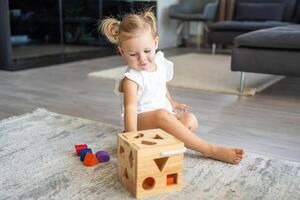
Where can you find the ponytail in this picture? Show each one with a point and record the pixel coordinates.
(151, 19)
(110, 28)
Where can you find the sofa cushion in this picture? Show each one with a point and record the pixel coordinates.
(245, 25)
(259, 11)
(285, 37)
(289, 6)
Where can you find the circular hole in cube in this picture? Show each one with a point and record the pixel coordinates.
(148, 183)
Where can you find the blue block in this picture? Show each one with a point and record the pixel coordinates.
(83, 152)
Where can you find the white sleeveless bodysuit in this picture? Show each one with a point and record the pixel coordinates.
(152, 89)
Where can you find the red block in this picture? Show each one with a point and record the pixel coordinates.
(78, 148)
(90, 160)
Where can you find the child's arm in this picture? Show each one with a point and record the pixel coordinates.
(176, 105)
(130, 101)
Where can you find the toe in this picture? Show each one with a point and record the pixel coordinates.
(237, 161)
(239, 156)
(239, 151)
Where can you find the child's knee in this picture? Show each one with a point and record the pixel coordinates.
(191, 121)
(162, 115)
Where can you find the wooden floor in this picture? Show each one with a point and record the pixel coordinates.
(267, 123)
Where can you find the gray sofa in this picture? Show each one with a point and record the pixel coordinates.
(252, 15)
(271, 51)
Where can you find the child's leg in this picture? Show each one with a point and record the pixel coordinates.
(161, 118)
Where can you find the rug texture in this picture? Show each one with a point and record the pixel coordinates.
(205, 72)
(38, 161)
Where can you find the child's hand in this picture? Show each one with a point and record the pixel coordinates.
(179, 106)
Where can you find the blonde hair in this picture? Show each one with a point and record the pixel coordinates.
(132, 25)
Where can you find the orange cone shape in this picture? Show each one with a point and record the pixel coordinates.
(90, 160)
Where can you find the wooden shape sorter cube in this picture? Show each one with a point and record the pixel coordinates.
(150, 162)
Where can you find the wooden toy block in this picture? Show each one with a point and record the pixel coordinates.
(102, 156)
(83, 153)
(150, 162)
(79, 147)
(90, 160)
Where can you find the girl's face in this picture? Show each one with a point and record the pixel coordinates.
(140, 51)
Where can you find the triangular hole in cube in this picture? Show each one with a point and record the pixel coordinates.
(158, 137)
(125, 174)
(121, 150)
(161, 162)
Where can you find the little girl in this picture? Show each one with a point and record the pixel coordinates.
(147, 101)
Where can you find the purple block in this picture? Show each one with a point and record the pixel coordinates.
(102, 156)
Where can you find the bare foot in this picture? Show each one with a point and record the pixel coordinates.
(229, 155)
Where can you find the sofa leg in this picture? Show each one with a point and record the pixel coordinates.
(213, 49)
(242, 82)
(179, 29)
(179, 33)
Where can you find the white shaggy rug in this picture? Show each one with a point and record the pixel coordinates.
(38, 161)
(205, 72)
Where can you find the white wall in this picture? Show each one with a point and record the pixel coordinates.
(166, 26)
